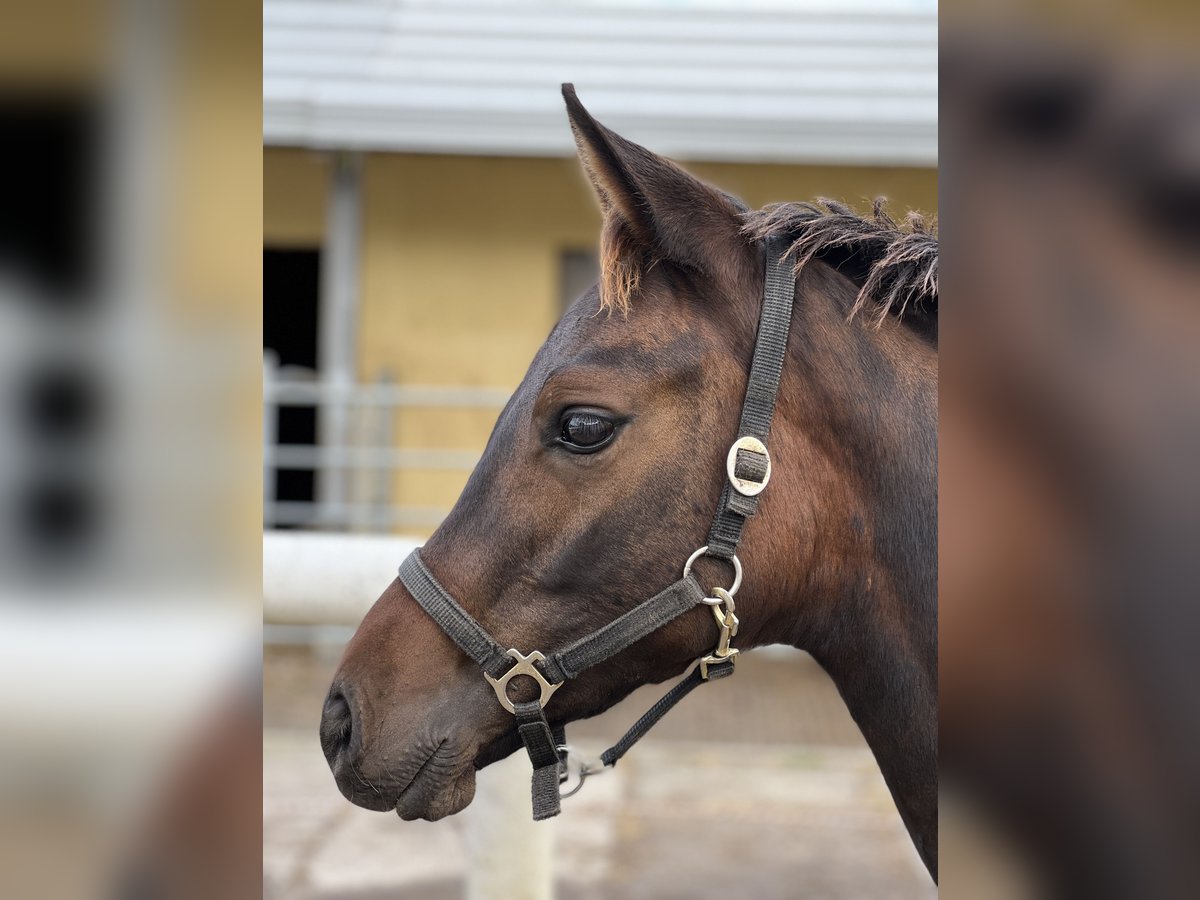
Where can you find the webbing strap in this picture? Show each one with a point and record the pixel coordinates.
(682, 688)
(643, 619)
(762, 388)
(452, 618)
(542, 743)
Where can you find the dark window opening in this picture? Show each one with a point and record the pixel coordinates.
(291, 283)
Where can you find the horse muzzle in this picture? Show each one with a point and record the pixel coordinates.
(423, 776)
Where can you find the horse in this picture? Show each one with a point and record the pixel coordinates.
(601, 472)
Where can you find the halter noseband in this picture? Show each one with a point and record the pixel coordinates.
(748, 469)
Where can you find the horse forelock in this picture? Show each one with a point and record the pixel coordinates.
(622, 261)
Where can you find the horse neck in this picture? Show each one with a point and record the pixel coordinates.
(861, 407)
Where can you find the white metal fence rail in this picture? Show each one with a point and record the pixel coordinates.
(355, 473)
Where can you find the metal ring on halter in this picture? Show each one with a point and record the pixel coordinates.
(586, 769)
(737, 574)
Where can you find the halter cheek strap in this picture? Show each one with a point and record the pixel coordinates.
(748, 470)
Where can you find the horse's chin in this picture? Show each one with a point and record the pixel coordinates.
(432, 797)
(501, 748)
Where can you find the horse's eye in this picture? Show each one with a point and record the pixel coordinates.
(585, 432)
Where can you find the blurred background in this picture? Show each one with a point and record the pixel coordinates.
(425, 224)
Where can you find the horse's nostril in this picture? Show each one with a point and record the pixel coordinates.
(337, 726)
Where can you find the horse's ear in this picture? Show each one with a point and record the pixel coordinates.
(667, 210)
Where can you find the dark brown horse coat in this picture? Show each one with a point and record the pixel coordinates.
(551, 540)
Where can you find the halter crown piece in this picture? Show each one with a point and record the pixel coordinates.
(748, 469)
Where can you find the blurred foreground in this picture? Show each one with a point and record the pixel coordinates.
(129, 458)
(1070, 432)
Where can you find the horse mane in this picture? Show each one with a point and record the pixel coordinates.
(895, 265)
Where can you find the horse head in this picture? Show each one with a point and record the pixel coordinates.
(601, 475)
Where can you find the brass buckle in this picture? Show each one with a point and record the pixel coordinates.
(745, 486)
(706, 661)
(524, 666)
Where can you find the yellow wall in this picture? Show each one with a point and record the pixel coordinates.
(295, 188)
(460, 275)
(460, 284)
(461, 254)
(759, 185)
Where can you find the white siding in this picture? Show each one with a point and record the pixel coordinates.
(842, 82)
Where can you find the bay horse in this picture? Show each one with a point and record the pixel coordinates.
(601, 473)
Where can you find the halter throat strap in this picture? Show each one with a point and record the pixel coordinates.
(748, 470)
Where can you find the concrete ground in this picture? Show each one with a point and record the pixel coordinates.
(756, 786)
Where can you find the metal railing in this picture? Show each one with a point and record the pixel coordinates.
(354, 471)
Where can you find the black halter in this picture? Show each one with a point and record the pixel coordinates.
(748, 469)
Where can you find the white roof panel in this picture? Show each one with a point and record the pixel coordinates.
(849, 82)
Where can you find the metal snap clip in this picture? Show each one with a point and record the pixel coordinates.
(582, 768)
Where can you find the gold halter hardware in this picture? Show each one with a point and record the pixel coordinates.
(727, 623)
